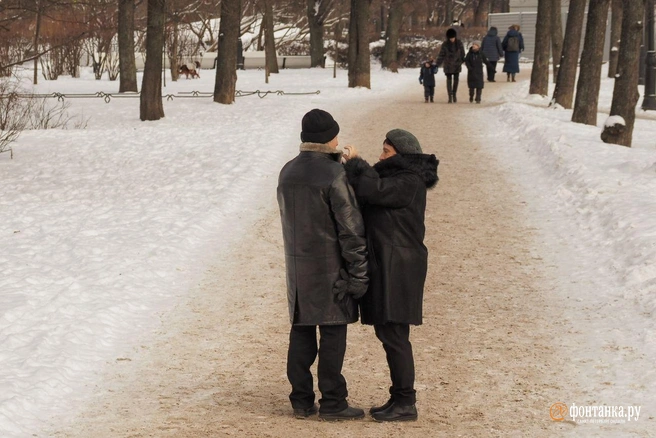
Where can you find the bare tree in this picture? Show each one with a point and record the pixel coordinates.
(615, 34)
(394, 21)
(151, 106)
(589, 83)
(569, 58)
(127, 64)
(317, 13)
(540, 72)
(556, 35)
(625, 92)
(269, 39)
(480, 17)
(226, 67)
(359, 68)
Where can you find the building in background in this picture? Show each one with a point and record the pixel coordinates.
(524, 13)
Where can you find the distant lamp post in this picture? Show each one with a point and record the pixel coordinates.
(649, 102)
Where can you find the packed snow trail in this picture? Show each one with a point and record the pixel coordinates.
(486, 360)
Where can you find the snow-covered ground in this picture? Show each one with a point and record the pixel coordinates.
(104, 229)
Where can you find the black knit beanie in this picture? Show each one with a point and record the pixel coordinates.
(318, 127)
(451, 33)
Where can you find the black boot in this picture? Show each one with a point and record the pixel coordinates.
(305, 412)
(471, 95)
(513, 77)
(431, 98)
(396, 413)
(375, 409)
(449, 88)
(508, 78)
(349, 413)
(479, 91)
(455, 88)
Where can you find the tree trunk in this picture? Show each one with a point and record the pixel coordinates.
(226, 67)
(37, 31)
(587, 87)
(359, 69)
(127, 65)
(448, 8)
(269, 40)
(317, 11)
(174, 50)
(625, 92)
(480, 17)
(569, 57)
(556, 36)
(390, 51)
(540, 72)
(615, 34)
(151, 106)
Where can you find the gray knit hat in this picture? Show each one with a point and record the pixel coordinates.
(403, 142)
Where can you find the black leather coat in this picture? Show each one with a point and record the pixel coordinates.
(393, 199)
(323, 231)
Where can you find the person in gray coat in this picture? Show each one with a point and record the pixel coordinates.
(326, 259)
(491, 48)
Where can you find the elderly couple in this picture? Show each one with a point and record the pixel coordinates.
(353, 236)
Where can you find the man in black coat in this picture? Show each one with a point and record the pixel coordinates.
(326, 260)
(393, 198)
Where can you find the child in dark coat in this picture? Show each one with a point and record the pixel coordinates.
(427, 79)
(475, 60)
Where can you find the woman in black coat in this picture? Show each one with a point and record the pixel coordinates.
(392, 195)
(451, 56)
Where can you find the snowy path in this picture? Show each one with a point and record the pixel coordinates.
(487, 364)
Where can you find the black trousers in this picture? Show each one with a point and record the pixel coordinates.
(452, 81)
(429, 91)
(396, 342)
(491, 70)
(303, 351)
(478, 91)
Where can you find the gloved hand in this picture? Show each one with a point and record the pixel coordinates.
(421, 81)
(348, 285)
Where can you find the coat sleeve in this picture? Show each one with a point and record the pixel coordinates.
(441, 55)
(484, 58)
(504, 44)
(499, 47)
(350, 227)
(462, 51)
(521, 43)
(371, 189)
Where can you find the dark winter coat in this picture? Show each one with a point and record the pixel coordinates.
(323, 231)
(491, 45)
(475, 75)
(393, 199)
(511, 59)
(452, 55)
(427, 75)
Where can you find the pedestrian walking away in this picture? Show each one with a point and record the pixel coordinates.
(475, 60)
(393, 198)
(493, 50)
(513, 46)
(427, 79)
(451, 56)
(326, 264)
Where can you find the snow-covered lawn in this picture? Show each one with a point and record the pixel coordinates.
(102, 230)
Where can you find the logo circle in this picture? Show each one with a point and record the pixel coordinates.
(557, 411)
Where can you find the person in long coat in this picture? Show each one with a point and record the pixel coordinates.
(450, 58)
(326, 260)
(511, 54)
(474, 61)
(493, 50)
(427, 79)
(393, 198)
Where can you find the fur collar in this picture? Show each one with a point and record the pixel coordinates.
(420, 164)
(319, 147)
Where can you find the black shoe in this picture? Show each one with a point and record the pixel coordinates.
(397, 413)
(431, 99)
(492, 80)
(305, 412)
(349, 413)
(478, 101)
(450, 99)
(471, 100)
(454, 98)
(426, 100)
(375, 409)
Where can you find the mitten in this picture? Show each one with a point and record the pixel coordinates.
(421, 81)
(348, 285)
